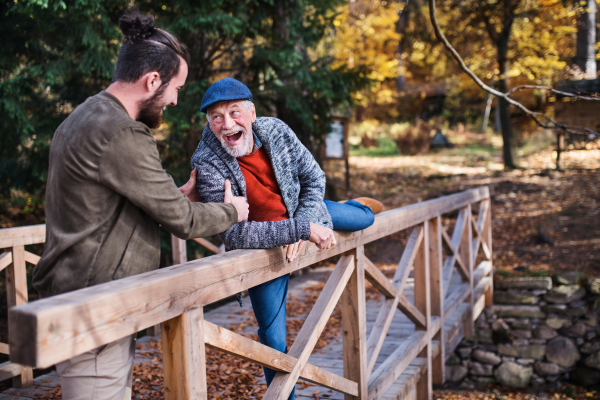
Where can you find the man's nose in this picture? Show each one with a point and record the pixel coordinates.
(174, 102)
(228, 122)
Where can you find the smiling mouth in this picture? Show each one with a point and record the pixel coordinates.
(233, 138)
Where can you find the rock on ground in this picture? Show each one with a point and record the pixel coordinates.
(544, 368)
(486, 357)
(536, 351)
(455, 373)
(513, 375)
(562, 351)
(544, 332)
(593, 361)
(524, 283)
(565, 294)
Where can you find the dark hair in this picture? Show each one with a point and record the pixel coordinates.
(146, 48)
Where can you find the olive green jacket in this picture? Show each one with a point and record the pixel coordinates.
(106, 195)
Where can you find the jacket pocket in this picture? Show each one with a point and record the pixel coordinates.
(124, 268)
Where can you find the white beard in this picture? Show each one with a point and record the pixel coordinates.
(239, 150)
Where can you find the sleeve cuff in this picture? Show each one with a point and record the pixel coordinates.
(303, 229)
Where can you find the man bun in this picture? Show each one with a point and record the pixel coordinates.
(136, 26)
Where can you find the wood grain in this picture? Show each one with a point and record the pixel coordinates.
(230, 342)
(283, 383)
(184, 357)
(208, 245)
(23, 235)
(5, 259)
(354, 327)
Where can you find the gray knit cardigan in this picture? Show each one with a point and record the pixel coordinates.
(301, 180)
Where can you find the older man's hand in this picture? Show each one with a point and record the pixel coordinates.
(321, 236)
(240, 203)
(189, 189)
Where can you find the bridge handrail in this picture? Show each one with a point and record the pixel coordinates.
(51, 330)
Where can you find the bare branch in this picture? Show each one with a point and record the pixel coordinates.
(538, 117)
(550, 89)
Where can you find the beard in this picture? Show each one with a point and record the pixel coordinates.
(150, 113)
(238, 150)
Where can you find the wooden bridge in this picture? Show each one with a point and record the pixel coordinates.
(384, 354)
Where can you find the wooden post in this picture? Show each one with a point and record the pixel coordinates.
(179, 254)
(179, 250)
(487, 234)
(16, 294)
(354, 327)
(466, 254)
(437, 298)
(423, 304)
(184, 356)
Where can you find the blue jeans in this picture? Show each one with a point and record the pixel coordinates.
(269, 298)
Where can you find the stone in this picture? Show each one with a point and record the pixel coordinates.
(508, 359)
(579, 341)
(593, 285)
(538, 292)
(538, 341)
(577, 304)
(590, 335)
(590, 347)
(562, 351)
(487, 347)
(486, 357)
(593, 361)
(484, 380)
(453, 359)
(514, 298)
(520, 342)
(513, 375)
(464, 352)
(552, 378)
(455, 373)
(545, 368)
(523, 283)
(521, 324)
(525, 361)
(577, 330)
(586, 376)
(519, 311)
(481, 369)
(565, 294)
(500, 325)
(575, 312)
(519, 334)
(467, 384)
(536, 351)
(556, 309)
(538, 383)
(568, 278)
(482, 336)
(544, 332)
(556, 385)
(557, 322)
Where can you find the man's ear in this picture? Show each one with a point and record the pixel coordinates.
(151, 81)
(252, 113)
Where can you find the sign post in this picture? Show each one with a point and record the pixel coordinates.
(336, 144)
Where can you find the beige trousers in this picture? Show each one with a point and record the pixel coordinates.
(104, 373)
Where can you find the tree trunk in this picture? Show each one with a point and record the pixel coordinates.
(400, 27)
(586, 39)
(508, 138)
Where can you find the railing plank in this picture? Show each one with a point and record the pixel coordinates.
(22, 236)
(379, 280)
(354, 327)
(184, 357)
(387, 373)
(283, 383)
(205, 243)
(388, 307)
(466, 253)
(436, 288)
(5, 259)
(412, 312)
(32, 258)
(9, 370)
(421, 271)
(230, 342)
(16, 295)
(54, 329)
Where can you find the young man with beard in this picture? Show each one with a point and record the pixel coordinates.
(107, 194)
(265, 162)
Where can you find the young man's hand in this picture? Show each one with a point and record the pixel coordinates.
(321, 236)
(189, 189)
(240, 203)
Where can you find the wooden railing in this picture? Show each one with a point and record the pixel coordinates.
(13, 260)
(54, 329)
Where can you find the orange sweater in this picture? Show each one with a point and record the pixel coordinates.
(262, 189)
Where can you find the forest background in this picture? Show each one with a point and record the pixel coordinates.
(304, 60)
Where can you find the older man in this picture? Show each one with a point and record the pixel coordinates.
(265, 162)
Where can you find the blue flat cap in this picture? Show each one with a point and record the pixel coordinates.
(227, 89)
